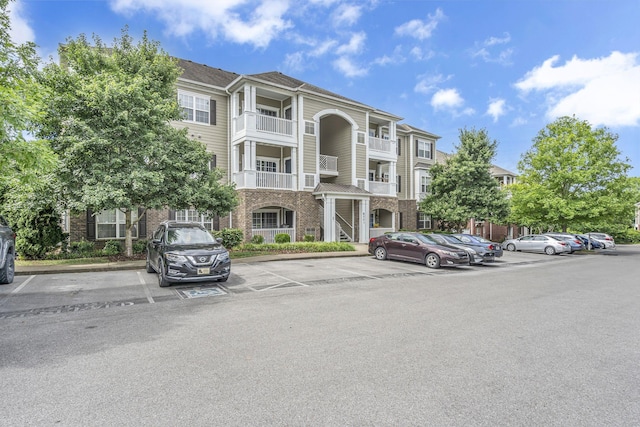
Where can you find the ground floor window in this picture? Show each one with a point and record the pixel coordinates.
(192, 215)
(424, 221)
(265, 220)
(110, 224)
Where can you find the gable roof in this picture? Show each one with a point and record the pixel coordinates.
(202, 73)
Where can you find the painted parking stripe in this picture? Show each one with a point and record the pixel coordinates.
(287, 280)
(16, 290)
(356, 273)
(147, 292)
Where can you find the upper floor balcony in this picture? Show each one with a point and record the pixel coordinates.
(328, 165)
(265, 180)
(260, 127)
(382, 188)
(381, 148)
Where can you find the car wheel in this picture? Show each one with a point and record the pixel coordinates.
(380, 253)
(148, 266)
(8, 271)
(432, 260)
(549, 250)
(511, 247)
(162, 278)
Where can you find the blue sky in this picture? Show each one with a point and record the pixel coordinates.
(509, 66)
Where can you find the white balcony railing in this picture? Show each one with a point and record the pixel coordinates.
(382, 188)
(269, 234)
(383, 145)
(328, 164)
(268, 180)
(259, 122)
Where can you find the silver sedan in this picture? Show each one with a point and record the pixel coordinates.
(537, 243)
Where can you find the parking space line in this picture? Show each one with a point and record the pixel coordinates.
(279, 284)
(16, 290)
(356, 273)
(147, 292)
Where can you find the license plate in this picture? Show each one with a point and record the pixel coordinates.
(204, 270)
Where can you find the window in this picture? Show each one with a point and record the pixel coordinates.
(267, 111)
(398, 184)
(360, 138)
(398, 147)
(194, 108)
(267, 165)
(265, 220)
(423, 149)
(424, 184)
(309, 127)
(424, 221)
(110, 224)
(192, 215)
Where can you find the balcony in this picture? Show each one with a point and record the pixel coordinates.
(328, 165)
(264, 128)
(382, 188)
(267, 180)
(380, 148)
(269, 234)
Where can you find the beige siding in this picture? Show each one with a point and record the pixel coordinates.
(361, 164)
(402, 168)
(313, 106)
(309, 154)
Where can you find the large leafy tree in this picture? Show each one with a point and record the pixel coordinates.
(109, 113)
(462, 187)
(20, 156)
(572, 177)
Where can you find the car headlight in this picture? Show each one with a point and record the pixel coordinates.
(224, 257)
(471, 251)
(452, 254)
(175, 258)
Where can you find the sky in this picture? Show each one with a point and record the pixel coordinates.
(508, 66)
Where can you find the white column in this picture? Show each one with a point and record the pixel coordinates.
(294, 166)
(364, 221)
(392, 178)
(329, 219)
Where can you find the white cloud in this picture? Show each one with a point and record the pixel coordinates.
(396, 58)
(420, 29)
(484, 50)
(346, 15)
(420, 55)
(429, 83)
(233, 20)
(346, 66)
(497, 108)
(20, 31)
(603, 91)
(322, 48)
(294, 61)
(451, 101)
(355, 45)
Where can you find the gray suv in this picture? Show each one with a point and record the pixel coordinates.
(7, 252)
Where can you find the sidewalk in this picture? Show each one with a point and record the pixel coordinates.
(361, 250)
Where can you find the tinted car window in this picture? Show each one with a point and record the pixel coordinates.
(188, 236)
(426, 239)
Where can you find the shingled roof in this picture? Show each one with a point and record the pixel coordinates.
(205, 74)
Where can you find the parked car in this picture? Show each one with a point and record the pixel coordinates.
(604, 239)
(7, 252)
(492, 246)
(537, 243)
(589, 242)
(575, 243)
(186, 252)
(416, 247)
(478, 254)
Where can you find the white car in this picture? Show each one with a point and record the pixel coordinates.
(537, 243)
(606, 240)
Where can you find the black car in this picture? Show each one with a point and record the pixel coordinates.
(416, 247)
(7, 252)
(186, 252)
(489, 245)
(478, 254)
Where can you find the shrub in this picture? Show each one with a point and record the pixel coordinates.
(140, 247)
(231, 237)
(112, 247)
(309, 238)
(82, 248)
(257, 239)
(282, 238)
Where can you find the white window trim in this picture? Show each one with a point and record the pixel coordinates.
(276, 211)
(202, 219)
(268, 108)
(268, 159)
(120, 220)
(309, 124)
(427, 144)
(195, 95)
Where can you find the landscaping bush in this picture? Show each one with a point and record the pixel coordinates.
(140, 247)
(282, 238)
(231, 237)
(257, 239)
(309, 238)
(82, 249)
(112, 247)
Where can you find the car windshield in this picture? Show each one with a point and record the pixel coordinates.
(425, 239)
(452, 239)
(188, 236)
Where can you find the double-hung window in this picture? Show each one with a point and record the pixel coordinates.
(423, 149)
(265, 220)
(267, 165)
(110, 224)
(424, 184)
(424, 221)
(192, 215)
(194, 108)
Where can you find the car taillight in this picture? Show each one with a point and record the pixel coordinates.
(608, 238)
(372, 239)
(577, 241)
(491, 247)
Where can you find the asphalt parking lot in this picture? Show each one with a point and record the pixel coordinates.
(40, 294)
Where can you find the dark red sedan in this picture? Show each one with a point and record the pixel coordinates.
(416, 247)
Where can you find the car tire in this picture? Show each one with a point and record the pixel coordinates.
(380, 253)
(432, 260)
(162, 278)
(8, 271)
(549, 250)
(148, 266)
(511, 247)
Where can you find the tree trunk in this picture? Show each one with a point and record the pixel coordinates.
(128, 240)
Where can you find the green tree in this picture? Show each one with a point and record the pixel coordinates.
(572, 177)
(20, 156)
(109, 113)
(462, 187)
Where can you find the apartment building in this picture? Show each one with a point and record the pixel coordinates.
(304, 160)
